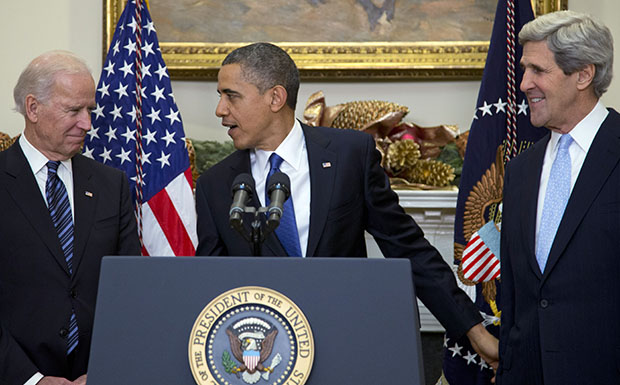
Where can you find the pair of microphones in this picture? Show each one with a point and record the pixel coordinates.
(278, 188)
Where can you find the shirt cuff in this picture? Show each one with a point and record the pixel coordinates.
(34, 379)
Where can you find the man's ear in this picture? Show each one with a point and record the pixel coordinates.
(33, 108)
(278, 98)
(585, 76)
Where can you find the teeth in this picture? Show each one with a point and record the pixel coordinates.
(536, 100)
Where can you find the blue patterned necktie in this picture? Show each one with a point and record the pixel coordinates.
(60, 211)
(287, 231)
(556, 198)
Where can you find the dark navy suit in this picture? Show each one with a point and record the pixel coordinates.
(37, 292)
(351, 195)
(562, 326)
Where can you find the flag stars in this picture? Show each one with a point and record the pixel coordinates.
(146, 70)
(124, 156)
(126, 69)
(130, 47)
(132, 113)
(116, 49)
(173, 116)
(483, 365)
(105, 155)
(163, 159)
(148, 49)
(486, 109)
(150, 27)
(133, 25)
(470, 357)
(109, 68)
(129, 135)
(169, 138)
(103, 90)
(523, 108)
(145, 158)
(135, 179)
(92, 133)
(500, 106)
(456, 349)
(88, 152)
(98, 111)
(116, 112)
(111, 134)
(150, 137)
(142, 92)
(154, 115)
(162, 71)
(158, 94)
(121, 91)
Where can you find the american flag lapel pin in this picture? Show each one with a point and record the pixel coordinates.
(88, 194)
(326, 164)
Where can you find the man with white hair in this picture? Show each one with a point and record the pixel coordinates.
(560, 246)
(61, 212)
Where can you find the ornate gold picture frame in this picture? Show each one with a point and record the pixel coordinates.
(416, 60)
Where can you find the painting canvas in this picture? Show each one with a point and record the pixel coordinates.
(323, 20)
(328, 39)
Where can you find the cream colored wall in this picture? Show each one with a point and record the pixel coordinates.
(30, 27)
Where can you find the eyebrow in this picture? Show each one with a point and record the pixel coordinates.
(228, 91)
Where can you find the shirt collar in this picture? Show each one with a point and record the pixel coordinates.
(584, 132)
(35, 158)
(289, 149)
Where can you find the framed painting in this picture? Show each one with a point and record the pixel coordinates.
(328, 39)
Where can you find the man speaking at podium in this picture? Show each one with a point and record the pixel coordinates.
(337, 188)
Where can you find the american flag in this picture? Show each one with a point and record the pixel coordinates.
(501, 118)
(142, 134)
(480, 262)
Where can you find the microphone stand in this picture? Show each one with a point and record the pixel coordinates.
(258, 232)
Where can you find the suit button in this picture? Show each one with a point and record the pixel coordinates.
(63, 332)
(73, 293)
(544, 303)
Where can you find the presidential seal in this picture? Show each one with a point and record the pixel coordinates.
(251, 335)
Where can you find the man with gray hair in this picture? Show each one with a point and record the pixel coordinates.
(560, 246)
(61, 212)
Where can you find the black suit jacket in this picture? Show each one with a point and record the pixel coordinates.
(561, 326)
(37, 292)
(350, 193)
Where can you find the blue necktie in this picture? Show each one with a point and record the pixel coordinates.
(60, 211)
(556, 198)
(287, 231)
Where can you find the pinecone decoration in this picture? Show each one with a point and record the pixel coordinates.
(6, 141)
(431, 172)
(359, 114)
(402, 155)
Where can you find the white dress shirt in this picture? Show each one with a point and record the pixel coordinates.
(583, 134)
(295, 155)
(38, 164)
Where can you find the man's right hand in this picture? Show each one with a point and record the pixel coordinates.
(54, 381)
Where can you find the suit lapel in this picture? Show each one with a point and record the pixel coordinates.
(239, 164)
(602, 158)
(27, 196)
(323, 164)
(529, 192)
(85, 196)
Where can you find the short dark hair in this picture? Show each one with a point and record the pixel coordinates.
(266, 65)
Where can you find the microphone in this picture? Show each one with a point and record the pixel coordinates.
(242, 190)
(279, 191)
